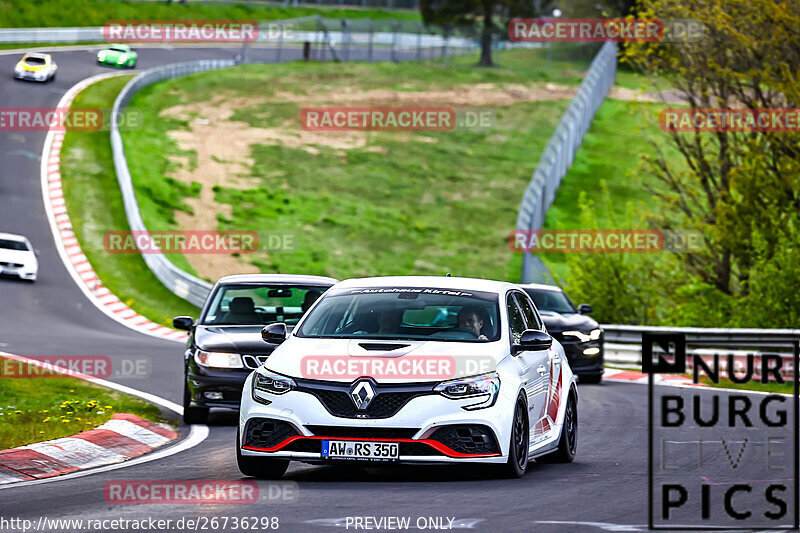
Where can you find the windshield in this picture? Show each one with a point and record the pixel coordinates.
(118, 49)
(13, 245)
(251, 304)
(33, 60)
(405, 313)
(553, 301)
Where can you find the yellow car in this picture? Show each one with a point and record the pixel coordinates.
(36, 67)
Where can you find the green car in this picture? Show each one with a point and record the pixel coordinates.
(117, 55)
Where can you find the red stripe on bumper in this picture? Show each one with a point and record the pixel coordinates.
(438, 446)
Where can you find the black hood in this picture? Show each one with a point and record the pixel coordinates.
(236, 339)
(557, 322)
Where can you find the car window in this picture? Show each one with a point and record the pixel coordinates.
(549, 300)
(413, 313)
(118, 49)
(8, 244)
(515, 321)
(35, 60)
(530, 314)
(242, 304)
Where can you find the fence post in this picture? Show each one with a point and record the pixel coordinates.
(444, 42)
(371, 39)
(419, 40)
(345, 41)
(393, 54)
(280, 40)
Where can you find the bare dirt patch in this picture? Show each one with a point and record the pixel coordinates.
(223, 146)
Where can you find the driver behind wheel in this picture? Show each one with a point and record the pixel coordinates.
(469, 319)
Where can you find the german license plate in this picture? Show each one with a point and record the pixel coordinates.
(361, 451)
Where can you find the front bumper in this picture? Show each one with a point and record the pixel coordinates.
(31, 75)
(417, 426)
(208, 380)
(581, 362)
(24, 273)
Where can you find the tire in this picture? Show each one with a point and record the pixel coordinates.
(259, 467)
(520, 440)
(192, 415)
(591, 380)
(568, 440)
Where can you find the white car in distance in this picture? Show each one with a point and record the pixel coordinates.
(18, 257)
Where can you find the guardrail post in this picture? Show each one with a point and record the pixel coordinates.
(393, 54)
(280, 41)
(419, 40)
(345, 41)
(371, 39)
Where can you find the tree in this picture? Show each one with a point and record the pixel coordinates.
(471, 14)
(741, 189)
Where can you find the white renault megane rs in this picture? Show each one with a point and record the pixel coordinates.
(411, 370)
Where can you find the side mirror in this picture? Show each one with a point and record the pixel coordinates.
(533, 340)
(274, 333)
(584, 309)
(185, 323)
(36, 252)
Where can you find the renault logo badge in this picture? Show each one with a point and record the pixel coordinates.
(362, 394)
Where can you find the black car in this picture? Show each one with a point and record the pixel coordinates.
(225, 344)
(580, 334)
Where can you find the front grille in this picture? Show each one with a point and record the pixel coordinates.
(254, 361)
(11, 265)
(363, 433)
(266, 433)
(388, 399)
(467, 438)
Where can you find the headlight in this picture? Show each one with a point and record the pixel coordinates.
(121, 59)
(101, 55)
(584, 337)
(266, 383)
(18, 69)
(484, 387)
(218, 359)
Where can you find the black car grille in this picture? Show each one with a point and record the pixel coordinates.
(266, 433)
(12, 265)
(467, 438)
(388, 399)
(363, 433)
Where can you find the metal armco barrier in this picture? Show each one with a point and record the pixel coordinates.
(623, 344)
(560, 151)
(181, 283)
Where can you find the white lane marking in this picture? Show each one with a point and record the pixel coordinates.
(197, 433)
(51, 212)
(605, 526)
(78, 453)
(135, 432)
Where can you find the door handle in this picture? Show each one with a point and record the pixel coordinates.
(542, 370)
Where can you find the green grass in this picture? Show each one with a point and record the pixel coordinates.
(69, 13)
(611, 151)
(95, 206)
(424, 203)
(34, 409)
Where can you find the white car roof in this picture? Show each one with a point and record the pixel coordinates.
(442, 282)
(540, 286)
(298, 279)
(38, 54)
(13, 237)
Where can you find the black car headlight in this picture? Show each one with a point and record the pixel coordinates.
(266, 384)
(483, 387)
